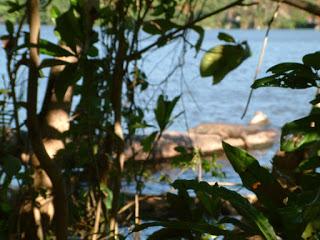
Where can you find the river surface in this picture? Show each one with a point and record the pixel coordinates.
(203, 102)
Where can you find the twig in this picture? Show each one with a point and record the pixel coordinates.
(264, 46)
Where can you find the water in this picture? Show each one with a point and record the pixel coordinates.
(225, 102)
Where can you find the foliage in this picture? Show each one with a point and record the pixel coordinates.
(103, 68)
(287, 199)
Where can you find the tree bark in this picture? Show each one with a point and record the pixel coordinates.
(52, 170)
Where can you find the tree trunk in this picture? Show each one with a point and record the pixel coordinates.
(41, 153)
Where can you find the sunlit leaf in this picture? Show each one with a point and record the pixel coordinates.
(255, 177)
(222, 59)
(300, 132)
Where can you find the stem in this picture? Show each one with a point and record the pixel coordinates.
(117, 82)
(97, 221)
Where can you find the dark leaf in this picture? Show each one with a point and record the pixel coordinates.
(147, 142)
(241, 204)
(164, 110)
(9, 27)
(11, 165)
(226, 37)
(288, 75)
(312, 60)
(69, 28)
(201, 33)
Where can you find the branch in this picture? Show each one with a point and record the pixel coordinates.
(171, 35)
(303, 5)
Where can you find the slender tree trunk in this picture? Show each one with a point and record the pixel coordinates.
(117, 82)
(51, 169)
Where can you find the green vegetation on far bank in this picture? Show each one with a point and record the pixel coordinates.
(239, 17)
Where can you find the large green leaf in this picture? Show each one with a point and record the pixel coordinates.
(240, 203)
(255, 177)
(300, 132)
(288, 75)
(69, 28)
(222, 59)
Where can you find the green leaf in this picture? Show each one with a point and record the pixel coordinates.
(287, 66)
(241, 204)
(69, 76)
(48, 48)
(226, 37)
(69, 28)
(52, 62)
(54, 12)
(11, 165)
(300, 132)
(201, 33)
(222, 59)
(147, 142)
(14, 6)
(4, 91)
(158, 26)
(9, 27)
(51, 49)
(164, 110)
(312, 60)
(254, 177)
(288, 75)
(309, 164)
(108, 195)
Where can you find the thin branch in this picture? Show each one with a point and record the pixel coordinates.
(172, 35)
(263, 49)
